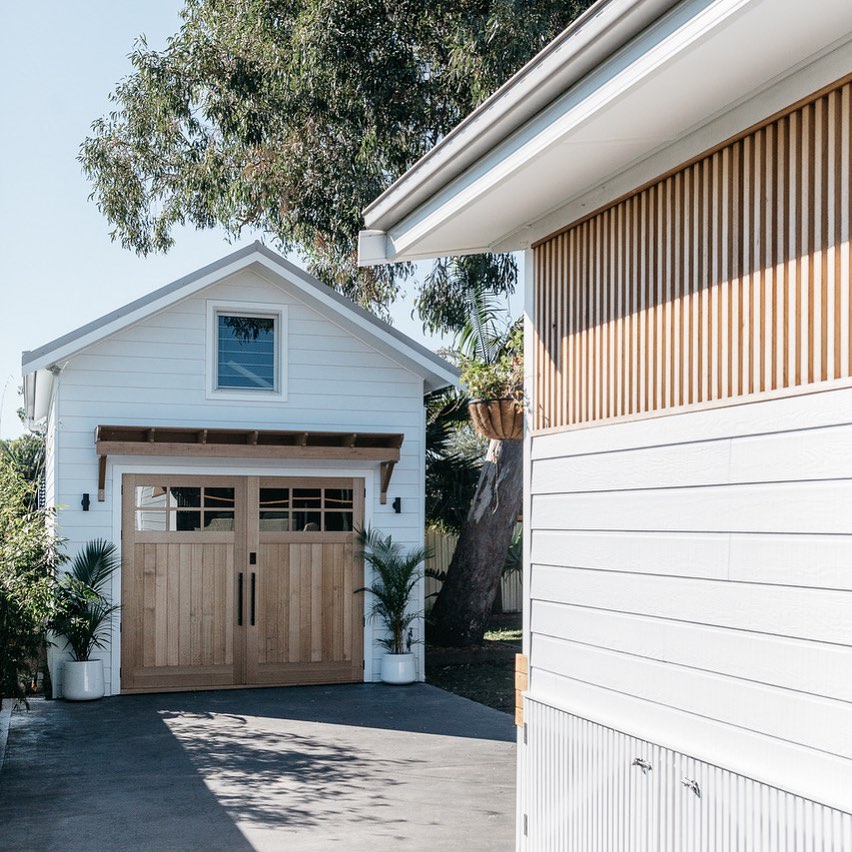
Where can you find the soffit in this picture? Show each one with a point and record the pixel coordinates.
(693, 65)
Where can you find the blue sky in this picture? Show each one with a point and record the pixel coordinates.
(58, 268)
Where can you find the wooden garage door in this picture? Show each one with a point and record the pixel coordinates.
(233, 581)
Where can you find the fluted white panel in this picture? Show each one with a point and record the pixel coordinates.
(589, 788)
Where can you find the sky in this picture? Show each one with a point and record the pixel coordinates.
(59, 61)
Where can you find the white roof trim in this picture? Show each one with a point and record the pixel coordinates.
(518, 170)
(601, 30)
(435, 371)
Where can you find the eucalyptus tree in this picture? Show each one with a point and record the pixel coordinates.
(288, 117)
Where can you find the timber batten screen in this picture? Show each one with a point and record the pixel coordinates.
(726, 278)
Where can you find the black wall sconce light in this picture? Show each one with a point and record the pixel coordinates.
(85, 502)
(397, 504)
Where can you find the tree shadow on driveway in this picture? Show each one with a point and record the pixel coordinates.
(351, 767)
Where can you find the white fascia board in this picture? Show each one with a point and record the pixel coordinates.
(803, 80)
(372, 248)
(688, 32)
(679, 31)
(434, 370)
(596, 34)
(59, 350)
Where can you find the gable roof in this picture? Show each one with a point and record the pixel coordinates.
(630, 90)
(37, 364)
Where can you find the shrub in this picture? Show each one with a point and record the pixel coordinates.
(29, 554)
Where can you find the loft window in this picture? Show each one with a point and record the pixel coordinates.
(246, 352)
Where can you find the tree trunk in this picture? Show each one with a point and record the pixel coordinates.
(464, 603)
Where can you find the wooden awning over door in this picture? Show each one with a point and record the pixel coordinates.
(247, 444)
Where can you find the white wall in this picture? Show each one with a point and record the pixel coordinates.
(691, 584)
(153, 373)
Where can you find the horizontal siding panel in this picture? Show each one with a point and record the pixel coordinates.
(80, 383)
(795, 560)
(91, 367)
(807, 772)
(658, 467)
(810, 454)
(324, 389)
(821, 615)
(785, 507)
(816, 668)
(180, 347)
(806, 720)
(323, 342)
(818, 561)
(153, 333)
(224, 413)
(359, 365)
(824, 408)
(678, 554)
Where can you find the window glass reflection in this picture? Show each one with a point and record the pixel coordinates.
(306, 521)
(218, 498)
(307, 498)
(338, 521)
(151, 496)
(338, 498)
(151, 521)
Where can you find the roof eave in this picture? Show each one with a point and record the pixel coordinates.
(600, 31)
(433, 369)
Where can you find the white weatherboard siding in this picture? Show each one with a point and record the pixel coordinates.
(691, 584)
(153, 374)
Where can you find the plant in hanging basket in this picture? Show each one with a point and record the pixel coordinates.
(496, 388)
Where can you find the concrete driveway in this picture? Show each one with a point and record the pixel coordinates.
(359, 767)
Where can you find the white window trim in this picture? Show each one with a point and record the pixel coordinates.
(264, 309)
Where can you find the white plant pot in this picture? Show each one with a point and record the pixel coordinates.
(398, 668)
(82, 681)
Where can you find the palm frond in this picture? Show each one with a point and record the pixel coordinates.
(396, 573)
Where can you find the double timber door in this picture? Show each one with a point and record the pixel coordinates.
(235, 581)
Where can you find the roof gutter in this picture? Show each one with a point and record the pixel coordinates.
(598, 33)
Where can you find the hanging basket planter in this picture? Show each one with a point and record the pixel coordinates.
(498, 419)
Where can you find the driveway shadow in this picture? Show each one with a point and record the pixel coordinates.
(298, 768)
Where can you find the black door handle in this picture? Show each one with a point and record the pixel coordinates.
(240, 599)
(253, 589)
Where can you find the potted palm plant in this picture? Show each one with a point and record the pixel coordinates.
(396, 573)
(83, 616)
(495, 381)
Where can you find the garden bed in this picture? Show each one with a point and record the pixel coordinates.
(484, 673)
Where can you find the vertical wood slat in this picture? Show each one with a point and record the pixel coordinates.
(729, 277)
